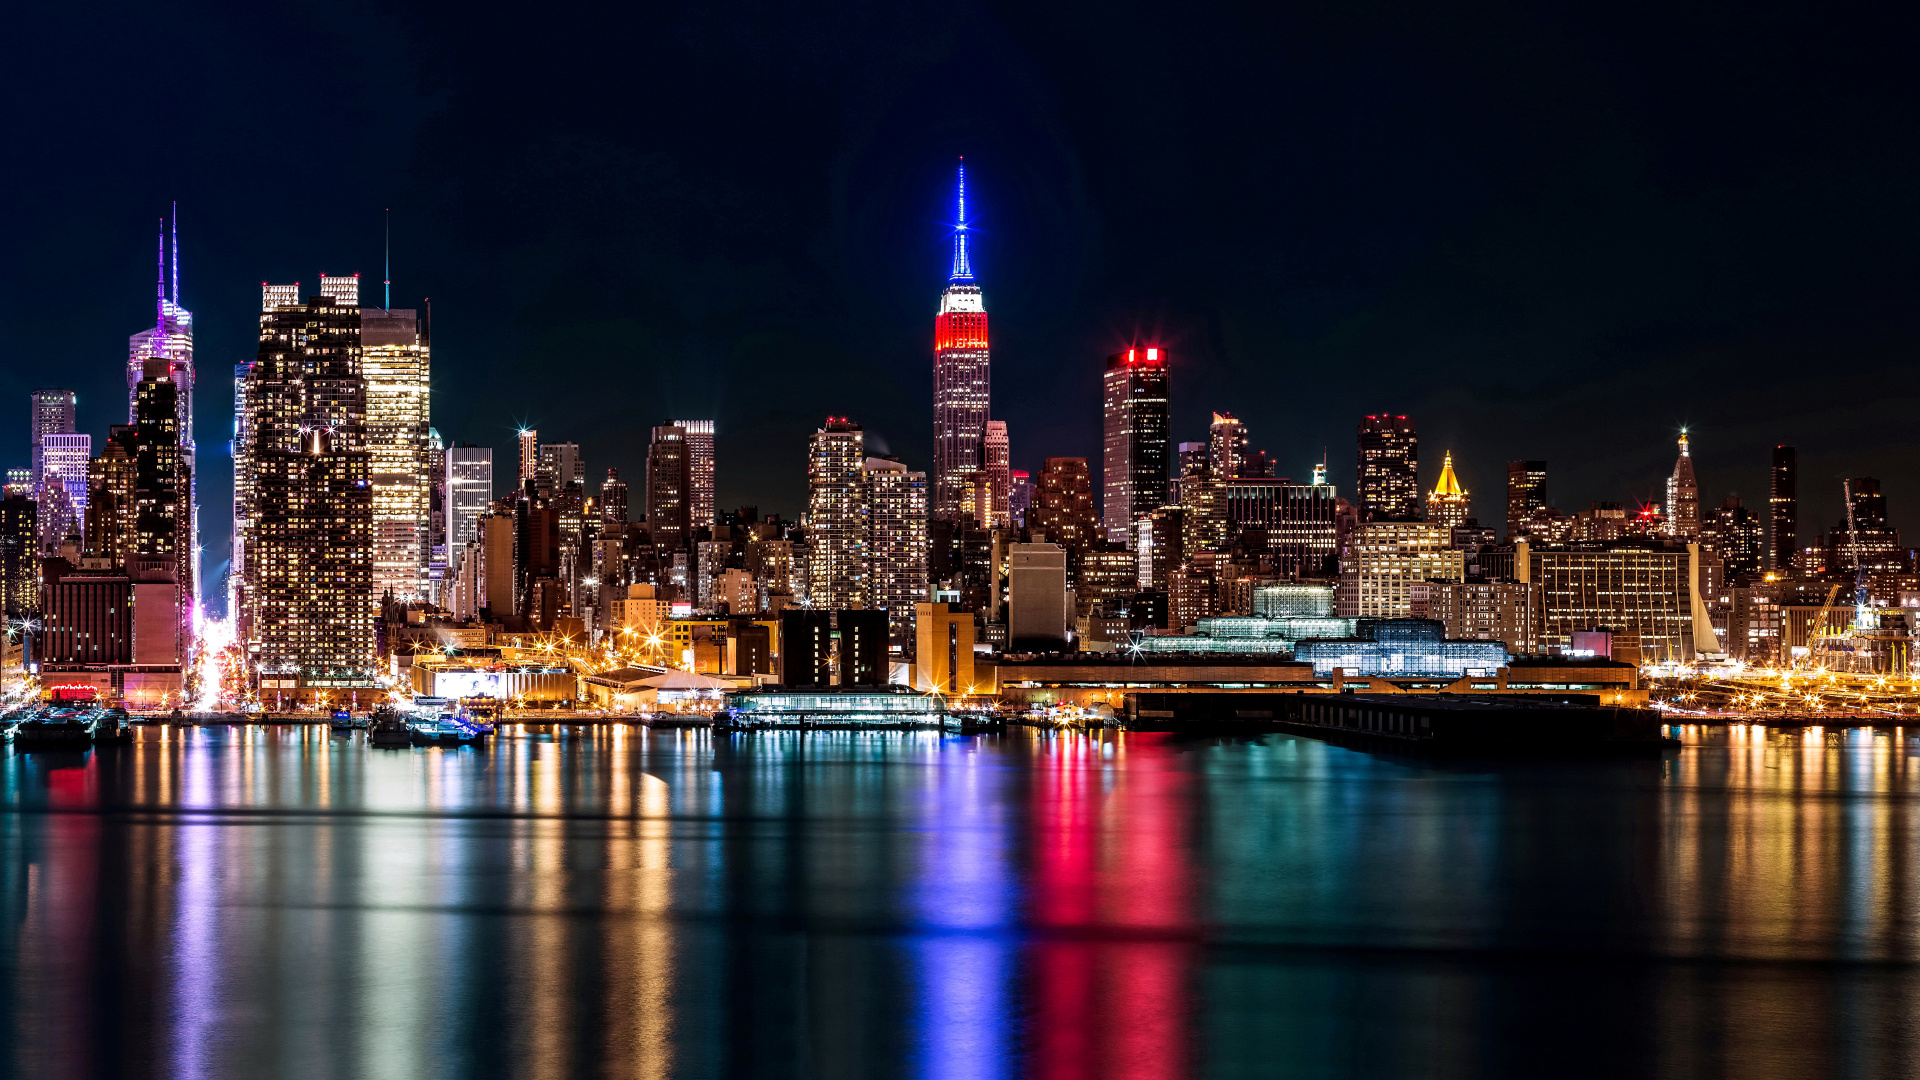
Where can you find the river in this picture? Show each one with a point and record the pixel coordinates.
(613, 901)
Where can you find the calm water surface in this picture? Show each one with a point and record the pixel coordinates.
(275, 901)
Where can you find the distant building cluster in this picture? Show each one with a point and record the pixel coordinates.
(366, 545)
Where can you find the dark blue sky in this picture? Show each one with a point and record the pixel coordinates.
(1544, 231)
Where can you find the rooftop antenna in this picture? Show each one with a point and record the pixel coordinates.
(160, 298)
(176, 253)
(389, 281)
(962, 270)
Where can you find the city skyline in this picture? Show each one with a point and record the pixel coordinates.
(1511, 281)
(335, 286)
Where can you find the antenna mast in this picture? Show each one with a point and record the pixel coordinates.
(389, 281)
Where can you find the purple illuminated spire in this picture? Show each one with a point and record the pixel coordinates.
(176, 255)
(962, 271)
(160, 297)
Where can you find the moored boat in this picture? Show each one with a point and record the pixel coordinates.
(388, 728)
(52, 726)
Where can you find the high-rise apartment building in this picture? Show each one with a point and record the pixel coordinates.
(896, 514)
(469, 488)
(52, 413)
(19, 553)
(669, 488)
(836, 515)
(998, 474)
(1063, 505)
(700, 512)
(1783, 507)
(1138, 438)
(1683, 497)
(1447, 503)
(1388, 469)
(308, 601)
(529, 455)
(396, 367)
(1526, 493)
(1227, 447)
(1019, 497)
(962, 384)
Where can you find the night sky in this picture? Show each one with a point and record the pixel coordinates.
(1552, 232)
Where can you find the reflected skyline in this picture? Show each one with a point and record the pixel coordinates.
(624, 902)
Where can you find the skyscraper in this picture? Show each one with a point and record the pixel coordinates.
(896, 514)
(63, 462)
(162, 492)
(1389, 469)
(962, 386)
(1447, 504)
(836, 515)
(1783, 507)
(669, 489)
(1683, 497)
(171, 338)
(613, 499)
(396, 366)
(529, 454)
(699, 471)
(469, 490)
(1526, 493)
(19, 553)
(1138, 443)
(308, 608)
(999, 476)
(52, 414)
(1227, 447)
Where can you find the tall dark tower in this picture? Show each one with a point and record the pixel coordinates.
(1389, 469)
(961, 382)
(1783, 507)
(1137, 424)
(1526, 492)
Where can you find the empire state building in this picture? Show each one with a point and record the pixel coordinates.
(961, 383)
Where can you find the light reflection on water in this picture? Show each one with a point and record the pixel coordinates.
(614, 901)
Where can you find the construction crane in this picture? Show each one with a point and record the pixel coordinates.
(1817, 629)
(1863, 618)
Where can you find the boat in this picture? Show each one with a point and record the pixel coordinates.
(342, 720)
(388, 728)
(447, 729)
(179, 719)
(112, 725)
(52, 726)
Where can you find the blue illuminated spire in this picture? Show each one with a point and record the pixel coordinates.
(962, 271)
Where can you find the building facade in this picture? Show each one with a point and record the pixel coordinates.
(1783, 507)
(1388, 469)
(309, 606)
(896, 546)
(700, 506)
(836, 515)
(1137, 446)
(396, 366)
(1683, 497)
(1526, 495)
(1386, 559)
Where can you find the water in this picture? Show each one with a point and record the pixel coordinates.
(247, 902)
